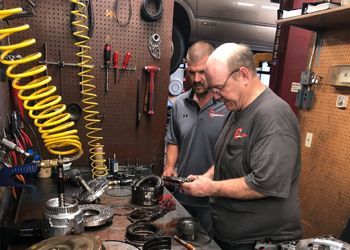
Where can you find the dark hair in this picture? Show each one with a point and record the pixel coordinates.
(198, 51)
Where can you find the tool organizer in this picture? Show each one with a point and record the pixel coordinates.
(51, 24)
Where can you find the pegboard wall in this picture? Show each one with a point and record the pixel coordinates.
(4, 111)
(51, 24)
(325, 178)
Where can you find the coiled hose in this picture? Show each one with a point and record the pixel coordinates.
(88, 91)
(44, 107)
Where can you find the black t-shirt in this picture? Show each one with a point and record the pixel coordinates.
(261, 144)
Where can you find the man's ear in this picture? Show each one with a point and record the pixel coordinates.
(245, 75)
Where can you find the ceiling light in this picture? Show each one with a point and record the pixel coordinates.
(245, 4)
(269, 7)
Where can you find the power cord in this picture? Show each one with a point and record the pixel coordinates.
(116, 8)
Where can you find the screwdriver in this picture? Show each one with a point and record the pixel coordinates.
(107, 62)
(125, 64)
(184, 243)
(115, 65)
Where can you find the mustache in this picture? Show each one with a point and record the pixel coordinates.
(197, 84)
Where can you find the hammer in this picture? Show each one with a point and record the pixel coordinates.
(151, 69)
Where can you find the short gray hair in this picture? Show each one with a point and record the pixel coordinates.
(235, 55)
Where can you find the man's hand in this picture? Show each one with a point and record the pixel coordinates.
(168, 171)
(202, 186)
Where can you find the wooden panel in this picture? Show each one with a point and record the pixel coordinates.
(331, 18)
(325, 178)
(51, 25)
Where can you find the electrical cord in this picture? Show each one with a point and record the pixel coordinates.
(116, 7)
(147, 15)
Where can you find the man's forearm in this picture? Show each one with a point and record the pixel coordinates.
(172, 156)
(210, 172)
(235, 188)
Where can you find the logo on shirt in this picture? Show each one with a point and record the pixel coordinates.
(211, 113)
(239, 134)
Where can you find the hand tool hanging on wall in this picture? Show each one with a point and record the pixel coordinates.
(151, 69)
(138, 102)
(125, 64)
(115, 65)
(107, 62)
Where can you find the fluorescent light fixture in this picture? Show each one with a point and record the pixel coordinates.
(269, 7)
(245, 4)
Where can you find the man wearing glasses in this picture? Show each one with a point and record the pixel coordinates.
(254, 183)
(195, 124)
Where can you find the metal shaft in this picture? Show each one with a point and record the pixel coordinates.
(60, 185)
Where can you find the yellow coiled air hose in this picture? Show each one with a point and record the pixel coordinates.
(44, 108)
(88, 91)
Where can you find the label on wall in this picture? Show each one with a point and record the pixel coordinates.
(295, 87)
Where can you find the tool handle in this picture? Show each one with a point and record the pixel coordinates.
(115, 59)
(146, 102)
(126, 60)
(151, 93)
(24, 169)
(138, 96)
(107, 54)
(184, 243)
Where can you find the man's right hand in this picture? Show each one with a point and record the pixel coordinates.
(169, 172)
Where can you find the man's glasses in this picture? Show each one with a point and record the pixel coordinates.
(218, 88)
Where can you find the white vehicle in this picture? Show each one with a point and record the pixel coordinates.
(251, 22)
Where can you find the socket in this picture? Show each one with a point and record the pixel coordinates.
(308, 140)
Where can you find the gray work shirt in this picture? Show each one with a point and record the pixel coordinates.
(195, 131)
(261, 144)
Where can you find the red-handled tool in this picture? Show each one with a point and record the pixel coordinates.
(126, 60)
(151, 69)
(107, 62)
(115, 65)
(125, 64)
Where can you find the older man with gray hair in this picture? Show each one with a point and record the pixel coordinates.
(254, 183)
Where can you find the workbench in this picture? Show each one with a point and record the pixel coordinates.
(32, 202)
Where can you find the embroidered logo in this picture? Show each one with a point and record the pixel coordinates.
(239, 134)
(211, 113)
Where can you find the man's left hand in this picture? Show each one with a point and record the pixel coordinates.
(202, 186)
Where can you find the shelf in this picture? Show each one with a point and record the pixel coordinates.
(325, 19)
